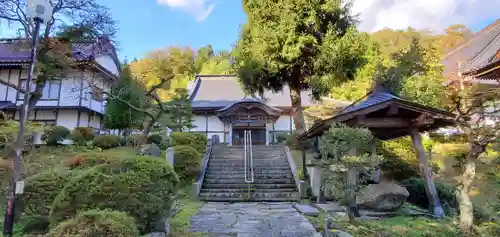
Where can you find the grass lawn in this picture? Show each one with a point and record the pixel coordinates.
(188, 206)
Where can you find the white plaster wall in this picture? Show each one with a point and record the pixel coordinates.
(95, 121)
(107, 62)
(70, 89)
(84, 119)
(283, 123)
(11, 76)
(68, 119)
(200, 123)
(215, 124)
(45, 115)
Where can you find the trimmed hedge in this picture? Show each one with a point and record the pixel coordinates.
(141, 187)
(161, 141)
(53, 136)
(133, 140)
(94, 223)
(41, 189)
(82, 135)
(90, 159)
(187, 162)
(107, 141)
(196, 140)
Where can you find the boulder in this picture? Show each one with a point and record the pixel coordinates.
(150, 150)
(386, 196)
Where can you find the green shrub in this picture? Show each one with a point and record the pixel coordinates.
(55, 135)
(418, 196)
(489, 229)
(140, 186)
(161, 141)
(107, 141)
(41, 189)
(82, 135)
(133, 140)
(187, 162)
(196, 140)
(94, 223)
(90, 159)
(400, 161)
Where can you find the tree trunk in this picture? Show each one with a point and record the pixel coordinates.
(426, 173)
(468, 172)
(352, 183)
(297, 113)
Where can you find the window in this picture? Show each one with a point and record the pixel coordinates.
(50, 91)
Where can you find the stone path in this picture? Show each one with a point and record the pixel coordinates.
(251, 220)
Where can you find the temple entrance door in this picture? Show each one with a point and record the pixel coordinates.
(258, 130)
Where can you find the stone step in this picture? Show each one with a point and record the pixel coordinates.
(231, 199)
(242, 168)
(252, 195)
(242, 176)
(242, 181)
(245, 190)
(242, 171)
(244, 185)
(255, 164)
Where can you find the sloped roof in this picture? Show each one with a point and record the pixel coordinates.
(478, 52)
(17, 51)
(377, 100)
(218, 91)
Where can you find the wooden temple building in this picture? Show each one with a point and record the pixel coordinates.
(477, 60)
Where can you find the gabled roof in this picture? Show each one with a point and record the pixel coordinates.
(377, 104)
(478, 52)
(219, 91)
(6, 104)
(16, 51)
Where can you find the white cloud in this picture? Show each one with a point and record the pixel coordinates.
(200, 9)
(423, 14)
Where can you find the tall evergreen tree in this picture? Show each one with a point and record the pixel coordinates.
(180, 117)
(119, 115)
(302, 44)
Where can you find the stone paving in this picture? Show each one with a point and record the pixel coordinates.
(251, 220)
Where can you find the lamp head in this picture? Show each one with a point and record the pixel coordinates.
(40, 10)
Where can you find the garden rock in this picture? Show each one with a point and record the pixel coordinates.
(336, 233)
(306, 209)
(150, 150)
(386, 196)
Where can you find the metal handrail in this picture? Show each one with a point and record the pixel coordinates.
(247, 140)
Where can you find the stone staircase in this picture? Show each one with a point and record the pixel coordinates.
(225, 175)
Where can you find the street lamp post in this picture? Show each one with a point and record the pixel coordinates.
(40, 11)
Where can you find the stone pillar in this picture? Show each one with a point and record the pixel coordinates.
(169, 156)
(316, 181)
(230, 138)
(267, 134)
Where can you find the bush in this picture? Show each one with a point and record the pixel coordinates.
(162, 142)
(97, 223)
(55, 135)
(107, 141)
(196, 140)
(82, 135)
(90, 159)
(400, 161)
(140, 186)
(489, 229)
(187, 162)
(133, 140)
(418, 196)
(41, 190)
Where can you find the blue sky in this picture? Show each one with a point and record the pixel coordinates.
(146, 25)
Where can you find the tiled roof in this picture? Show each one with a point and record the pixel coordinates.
(477, 52)
(6, 104)
(17, 50)
(222, 91)
(378, 96)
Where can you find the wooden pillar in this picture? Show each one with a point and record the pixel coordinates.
(426, 173)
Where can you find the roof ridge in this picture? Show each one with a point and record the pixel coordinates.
(473, 38)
